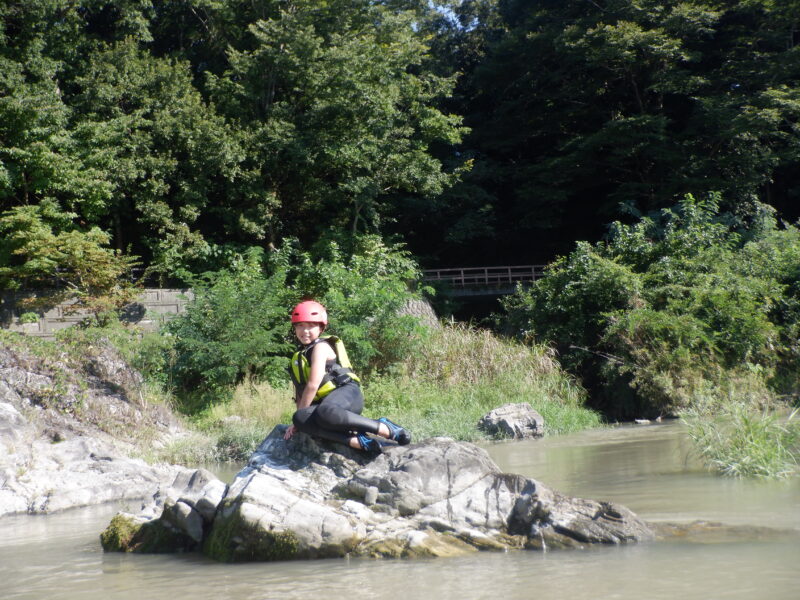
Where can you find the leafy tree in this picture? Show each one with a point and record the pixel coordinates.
(579, 108)
(44, 252)
(194, 130)
(336, 115)
(161, 149)
(37, 151)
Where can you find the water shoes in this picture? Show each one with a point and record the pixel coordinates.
(396, 433)
(368, 444)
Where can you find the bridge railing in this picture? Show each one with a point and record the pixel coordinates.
(484, 276)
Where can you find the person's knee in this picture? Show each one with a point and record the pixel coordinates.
(328, 415)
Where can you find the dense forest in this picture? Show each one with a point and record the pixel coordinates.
(476, 132)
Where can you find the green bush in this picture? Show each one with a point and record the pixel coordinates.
(668, 303)
(365, 294)
(29, 317)
(235, 327)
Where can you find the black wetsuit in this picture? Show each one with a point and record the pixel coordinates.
(337, 417)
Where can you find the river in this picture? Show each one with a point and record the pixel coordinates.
(647, 468)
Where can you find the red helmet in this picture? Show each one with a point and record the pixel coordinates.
(309, 312)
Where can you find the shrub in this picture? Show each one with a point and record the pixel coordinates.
(237, 327)
(364, 293)
(740, 441)
(667, 303)
(234, 328)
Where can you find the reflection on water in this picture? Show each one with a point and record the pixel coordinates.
(649, 469)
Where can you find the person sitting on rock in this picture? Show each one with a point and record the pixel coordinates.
(327, 392)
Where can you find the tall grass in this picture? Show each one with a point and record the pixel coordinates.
(740, 440)
(739, 428)
(230, 430)
(461, 373)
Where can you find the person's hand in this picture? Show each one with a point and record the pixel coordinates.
(290, 431)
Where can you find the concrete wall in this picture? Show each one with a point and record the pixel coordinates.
(152, 308)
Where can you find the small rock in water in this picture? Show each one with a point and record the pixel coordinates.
(516, 421)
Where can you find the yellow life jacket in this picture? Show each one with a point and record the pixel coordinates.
(337, 373)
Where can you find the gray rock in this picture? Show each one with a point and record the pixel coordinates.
(44, 477)
(11, 422)
(111, 369)
(184, 518)
(175, 520)
(60, 426)
(517, 421)
(210, 498)
(311, 499)
(422, 310)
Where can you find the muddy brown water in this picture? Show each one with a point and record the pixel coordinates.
(650, 469)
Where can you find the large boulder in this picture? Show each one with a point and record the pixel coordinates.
(177, 519)
(310, 499)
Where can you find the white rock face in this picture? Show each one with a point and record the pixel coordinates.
(53, 454)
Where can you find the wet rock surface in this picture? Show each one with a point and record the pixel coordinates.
(309, 499)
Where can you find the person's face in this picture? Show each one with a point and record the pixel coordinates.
(307, 332)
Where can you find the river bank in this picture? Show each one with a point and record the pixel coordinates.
(74, 429)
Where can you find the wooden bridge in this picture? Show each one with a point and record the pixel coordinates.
(484, 281)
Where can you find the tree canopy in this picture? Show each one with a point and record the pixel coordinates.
(191, 130)
(585, 112)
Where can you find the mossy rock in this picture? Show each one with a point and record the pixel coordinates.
(119, 533)
(231, 540)
(501, 542)
(126, 533)
(433, 544)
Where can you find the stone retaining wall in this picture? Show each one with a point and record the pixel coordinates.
(152, 308)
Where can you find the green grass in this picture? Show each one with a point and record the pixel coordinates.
(462, 373)
(739, 440)
(237, 426)
(430, 410)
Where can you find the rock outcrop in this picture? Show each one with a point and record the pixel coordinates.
(310, 499)
(61, 424)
